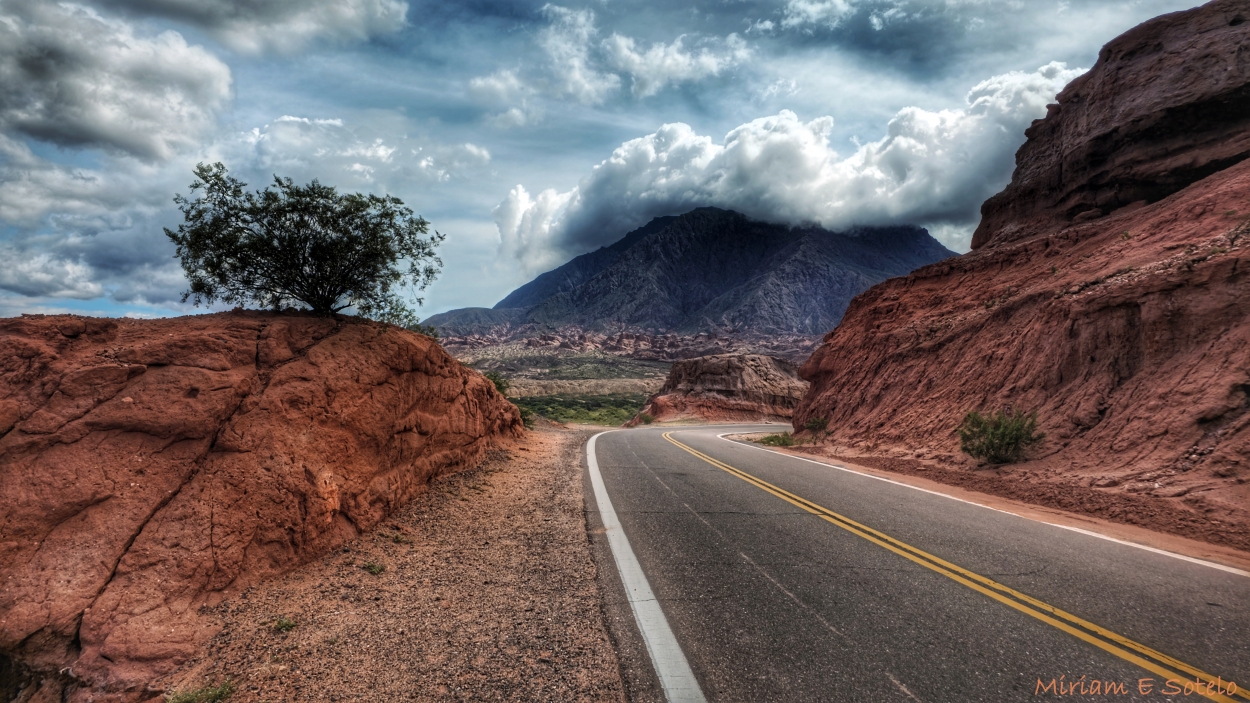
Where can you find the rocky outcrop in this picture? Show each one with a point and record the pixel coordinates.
(725, 388)
(149, 468)
(709, 270)
(1166, 105)
(1129, 332)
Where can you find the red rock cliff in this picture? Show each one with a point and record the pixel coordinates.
(727, 387)
(1127, 332)
(148, 468)
(1166, 104)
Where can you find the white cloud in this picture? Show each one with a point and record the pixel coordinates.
(504, 89)
(664, 64)
(820, 12)
(73, 78)
(278, 25)
(567, 41)
(929, 168)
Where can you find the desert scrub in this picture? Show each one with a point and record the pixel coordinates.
(374, 567)
(1002, 437)
(501, 384)
(646, 418)
(527, 416)
(608, 410)
(817, 424)
(785, 439)
(282, 624)
(208, 694)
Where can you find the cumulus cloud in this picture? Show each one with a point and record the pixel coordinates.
(73, 78)
(830, 13)
(567, 41)
(280, 25)
(662, 65)
(929, 168)
(587, 70)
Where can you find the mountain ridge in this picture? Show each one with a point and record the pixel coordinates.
(707, 270)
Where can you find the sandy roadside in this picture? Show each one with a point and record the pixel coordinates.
(486, 592)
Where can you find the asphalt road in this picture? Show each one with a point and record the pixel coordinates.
(787, 580)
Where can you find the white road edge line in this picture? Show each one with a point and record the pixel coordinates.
(676, 678)
(1174, 555)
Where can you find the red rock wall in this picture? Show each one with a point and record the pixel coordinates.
(148, 468)
(727, 388)
(1119, 315)
(1129, 335)
(1166, 104)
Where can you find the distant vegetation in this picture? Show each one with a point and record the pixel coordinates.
(609, 410)
(646, 418)
(290, 245)
(1002, 437)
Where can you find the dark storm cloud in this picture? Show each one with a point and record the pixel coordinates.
(73, 78)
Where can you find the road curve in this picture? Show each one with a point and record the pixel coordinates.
(788, 580)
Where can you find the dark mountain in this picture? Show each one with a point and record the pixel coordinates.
(708, 270)
(578, 271)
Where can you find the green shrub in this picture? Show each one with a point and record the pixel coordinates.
(817, 424)
(284, 624)
(646, 418)
(208, 694)
(785, 439)
(527, 417)
(1003, 437)
(501, 384)
(374, 567)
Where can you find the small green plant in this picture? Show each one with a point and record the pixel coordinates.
(1126, 235)
(1002, 437)
(208, 694)
(284, 624)
(785, 439)
(817, 424)
(527, 417)
(374, 567)
(646, 418)
(1053, 270)
(396, 538)
(501, 384)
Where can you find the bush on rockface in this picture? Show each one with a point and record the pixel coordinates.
(1002, 437)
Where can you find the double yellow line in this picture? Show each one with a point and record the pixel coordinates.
(1122, 647)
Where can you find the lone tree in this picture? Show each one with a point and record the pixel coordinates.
(302, 244)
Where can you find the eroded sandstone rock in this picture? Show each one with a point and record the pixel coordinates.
(148, 468)
(727, 387)
(1166, 104)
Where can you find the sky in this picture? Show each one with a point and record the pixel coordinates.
(526, 132)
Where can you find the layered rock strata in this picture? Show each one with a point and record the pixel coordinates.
(727, 388)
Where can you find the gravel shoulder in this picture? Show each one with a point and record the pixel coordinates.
(485, 589)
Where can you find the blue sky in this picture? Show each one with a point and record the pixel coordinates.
(528, 132)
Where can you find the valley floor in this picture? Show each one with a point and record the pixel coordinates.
(486, 591)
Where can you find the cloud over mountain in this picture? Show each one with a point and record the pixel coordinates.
(929, 168)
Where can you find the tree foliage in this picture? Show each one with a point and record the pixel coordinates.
(1002, 437)
(307, 244)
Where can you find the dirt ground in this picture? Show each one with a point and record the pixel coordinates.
(482, 589)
